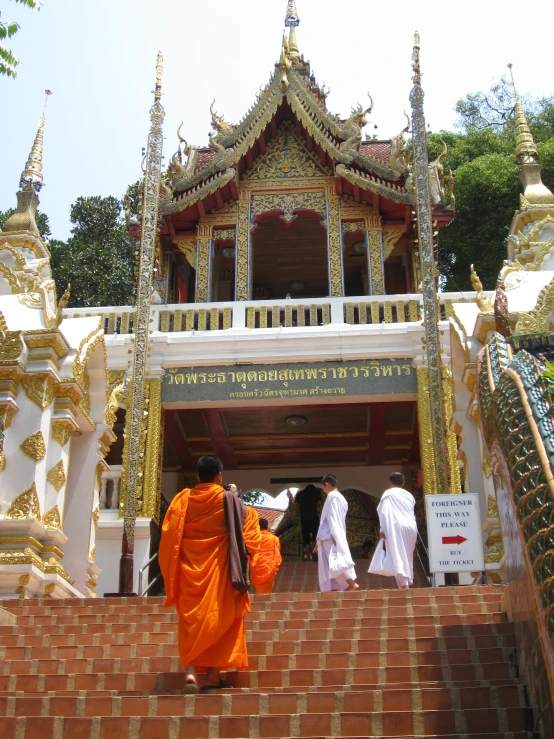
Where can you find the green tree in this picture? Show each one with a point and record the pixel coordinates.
(487, 187)
(8, 60)
(97, 259)
(41, 219)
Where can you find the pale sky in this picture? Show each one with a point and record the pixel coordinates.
(98, 58)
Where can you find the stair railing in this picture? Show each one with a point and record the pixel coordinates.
(423, 557)
(152, 559)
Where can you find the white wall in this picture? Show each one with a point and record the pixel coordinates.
(372, 480)
(108, 551)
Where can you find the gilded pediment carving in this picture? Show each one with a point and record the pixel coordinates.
(286, 157)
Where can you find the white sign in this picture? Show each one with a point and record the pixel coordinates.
(454, 533)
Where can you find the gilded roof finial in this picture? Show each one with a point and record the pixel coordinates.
(159, 75)
(415, 60)
(291, 21)
(527, 156)
(31, 177)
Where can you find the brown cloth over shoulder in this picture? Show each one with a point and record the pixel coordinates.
(235, 516)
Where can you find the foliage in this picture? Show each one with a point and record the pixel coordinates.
(97, 259)
(8, 60)
(254, 497)
(41, 220)
(481, 155)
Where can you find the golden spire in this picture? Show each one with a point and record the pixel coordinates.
(291, 21)
(31, 177)
(159, 76)
(527, 156)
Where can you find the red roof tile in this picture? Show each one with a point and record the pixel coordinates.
(204, 158)
(273, 516)
(379, 150)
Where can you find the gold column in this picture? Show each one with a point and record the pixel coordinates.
(203, 263)
(451, 438)
(426, 433)
(242, 251)
(377, 275)
(153, 456)
(334, 245)
(149, 475)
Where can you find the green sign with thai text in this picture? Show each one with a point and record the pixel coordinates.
(289, 381)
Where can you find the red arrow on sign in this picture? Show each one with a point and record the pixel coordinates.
(453, 539)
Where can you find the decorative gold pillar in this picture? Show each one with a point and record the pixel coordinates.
(150, 455)
(451, 438)
(242, 251)
(377, 274)
(203, 263)
(334, 246)
(426, 433)
(153, 457)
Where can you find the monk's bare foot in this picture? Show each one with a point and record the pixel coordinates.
(353, 586)
(191, 684)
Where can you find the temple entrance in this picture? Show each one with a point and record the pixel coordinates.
(289, 259)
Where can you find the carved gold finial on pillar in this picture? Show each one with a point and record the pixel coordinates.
(31, 177)
(30, 184)
(428, 278)
(527, 156)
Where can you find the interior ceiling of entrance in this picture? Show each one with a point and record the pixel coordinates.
(287, 253)
(350, 435)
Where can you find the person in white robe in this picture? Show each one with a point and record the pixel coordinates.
(335, 564)
(398, 528)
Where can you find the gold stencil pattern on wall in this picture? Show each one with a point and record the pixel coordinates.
(26, 505)
(34, 446)
(56, 476)
(40, 388)
(62, 431)
(51, 519)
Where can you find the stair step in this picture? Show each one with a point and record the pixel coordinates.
(475, 722)
(386, 699)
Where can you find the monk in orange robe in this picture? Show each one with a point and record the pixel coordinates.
(264, 565)
(197, 547)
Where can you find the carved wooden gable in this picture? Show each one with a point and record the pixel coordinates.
(287, 157)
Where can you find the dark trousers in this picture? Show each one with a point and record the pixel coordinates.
(310, 525)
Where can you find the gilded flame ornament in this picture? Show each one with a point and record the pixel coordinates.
(26, 505)
(51, 519)
(34, 446)
(56, 476)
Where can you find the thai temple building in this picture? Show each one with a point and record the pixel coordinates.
(287, 334)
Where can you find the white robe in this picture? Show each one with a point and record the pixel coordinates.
(332, 525)
(398, 523)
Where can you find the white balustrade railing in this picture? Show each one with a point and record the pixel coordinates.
(264, 314)
(110, 485)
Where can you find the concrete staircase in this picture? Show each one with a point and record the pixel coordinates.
(377, 663)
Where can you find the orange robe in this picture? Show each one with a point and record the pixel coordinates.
(193, 558)
(265, 564)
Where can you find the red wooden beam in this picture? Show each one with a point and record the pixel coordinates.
(219, 198)
(261, 141)
(220, 441)
(376, 201)
(310, 142)
(273, 127)
(298, 128)
(175, 436)
(201, 209)
(338, 184)
(407, 214)
(249, 159)
(357, 193)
